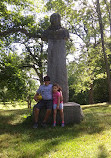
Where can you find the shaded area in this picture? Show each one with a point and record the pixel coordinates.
(103, 153)
(19, 123)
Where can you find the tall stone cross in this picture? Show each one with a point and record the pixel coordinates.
(56, 37)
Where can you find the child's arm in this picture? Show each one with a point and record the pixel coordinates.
(58, 102)
(35, 97)
(61, 96)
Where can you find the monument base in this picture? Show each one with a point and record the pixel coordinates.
(72, 114)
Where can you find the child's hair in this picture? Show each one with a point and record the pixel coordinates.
(46, 78)
(59, 90)
(59, 87)
(55, 85)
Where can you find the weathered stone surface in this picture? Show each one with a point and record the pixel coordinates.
(55, 31)
(72, 114)
(56, 37)
(57, 65)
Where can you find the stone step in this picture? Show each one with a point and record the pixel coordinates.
(72, 114)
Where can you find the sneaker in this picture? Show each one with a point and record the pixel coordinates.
(43, 124)
(62, 125)
(54, 124)
(35, 125)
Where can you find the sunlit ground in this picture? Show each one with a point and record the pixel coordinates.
(89, 139)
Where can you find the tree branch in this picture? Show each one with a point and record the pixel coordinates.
(22, 30)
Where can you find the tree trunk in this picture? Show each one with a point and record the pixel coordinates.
(110, 18)
(91, 101)
(103, 48)
(29, 102)
(109, 13)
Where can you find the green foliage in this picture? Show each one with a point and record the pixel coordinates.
(58, 6)
(22, 14)
(88, 70)
(100, 90)
(12, 79)
(80, 17)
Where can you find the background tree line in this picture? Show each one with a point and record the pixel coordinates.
(89, 72)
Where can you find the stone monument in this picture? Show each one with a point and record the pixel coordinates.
(56, 37)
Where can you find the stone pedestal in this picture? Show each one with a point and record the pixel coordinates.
(57, 65)
(56, 37)
(72, 114)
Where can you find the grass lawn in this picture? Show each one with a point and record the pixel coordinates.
(89, 139)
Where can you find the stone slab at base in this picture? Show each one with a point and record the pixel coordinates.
(72, 114)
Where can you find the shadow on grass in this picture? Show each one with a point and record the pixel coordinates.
(43, 149)
(13, 122)
(50, 137)
(96, 106)
(103, 153)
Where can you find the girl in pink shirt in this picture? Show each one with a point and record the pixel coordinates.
(57, 103)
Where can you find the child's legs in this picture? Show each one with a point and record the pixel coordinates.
(62, 115)
(54, 115)
(61, 112)
(36, 110)
(54, 112)
(48, 104)
(47, 114)
(36, 115)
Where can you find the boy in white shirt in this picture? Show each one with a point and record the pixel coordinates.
(46, 92)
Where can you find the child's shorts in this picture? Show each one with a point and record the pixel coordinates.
(60, 106)
(44, 103)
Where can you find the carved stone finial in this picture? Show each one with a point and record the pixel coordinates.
(55, 20)
(55, 31)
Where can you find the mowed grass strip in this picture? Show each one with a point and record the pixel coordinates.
(89, 139)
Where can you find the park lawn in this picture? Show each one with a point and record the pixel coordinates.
(89, 139)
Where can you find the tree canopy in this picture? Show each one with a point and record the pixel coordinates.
(89, 24)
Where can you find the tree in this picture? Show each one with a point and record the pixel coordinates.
(108, 9)
(17, 26)
(81, 21)
(35, 58)
(12, 79)
(103, 48)
(84, 23)
(16, 16)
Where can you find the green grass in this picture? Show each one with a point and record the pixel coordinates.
(89, 139)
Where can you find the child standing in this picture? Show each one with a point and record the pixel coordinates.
(57, 103)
